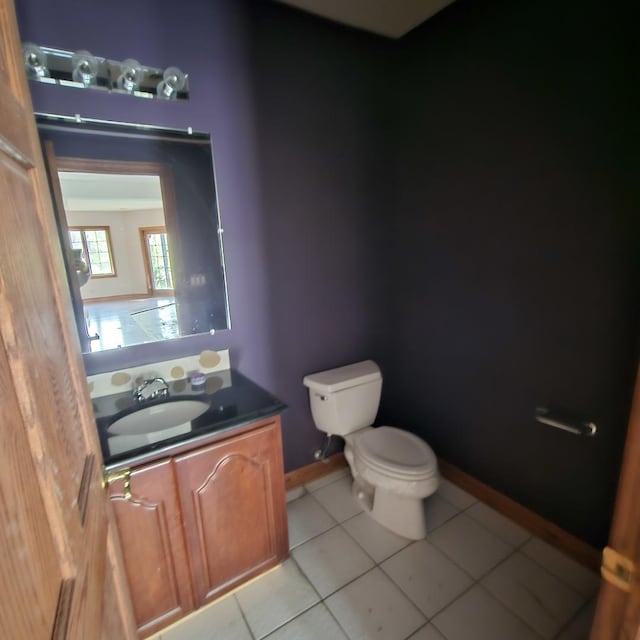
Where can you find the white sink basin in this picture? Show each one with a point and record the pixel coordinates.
(158, 417)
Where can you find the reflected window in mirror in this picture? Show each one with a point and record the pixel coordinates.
(92, 245)
(139, 226)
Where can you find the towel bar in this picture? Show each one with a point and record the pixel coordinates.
(562, 421)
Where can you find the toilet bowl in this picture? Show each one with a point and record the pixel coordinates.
(393, 470)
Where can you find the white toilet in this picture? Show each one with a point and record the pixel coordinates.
(393, 470)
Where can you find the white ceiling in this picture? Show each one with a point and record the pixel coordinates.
(390, 18)
(109, 192)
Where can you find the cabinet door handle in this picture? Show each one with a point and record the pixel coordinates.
(112, 476)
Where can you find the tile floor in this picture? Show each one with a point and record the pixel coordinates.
(120, 323)
(477, 576)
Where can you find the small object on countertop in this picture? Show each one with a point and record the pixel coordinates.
(197, 379)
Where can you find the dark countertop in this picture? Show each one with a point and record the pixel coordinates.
(234, 401)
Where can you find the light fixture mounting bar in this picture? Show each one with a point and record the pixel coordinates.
(83, 70)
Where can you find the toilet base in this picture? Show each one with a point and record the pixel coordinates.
(402, 515)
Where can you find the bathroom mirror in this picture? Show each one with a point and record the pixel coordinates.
(139, 226)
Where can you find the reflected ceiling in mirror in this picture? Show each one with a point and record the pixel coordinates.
(139, 226)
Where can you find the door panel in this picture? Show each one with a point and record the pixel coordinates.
(86, 612)
(29, 606)
(49, 424)
(31, 330)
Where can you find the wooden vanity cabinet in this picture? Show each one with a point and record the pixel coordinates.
(200, 523)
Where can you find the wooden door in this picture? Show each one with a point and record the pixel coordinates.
(58, 547)
(153, 546)
(618, 609)
(233, 505)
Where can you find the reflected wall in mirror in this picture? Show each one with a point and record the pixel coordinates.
(139, 227)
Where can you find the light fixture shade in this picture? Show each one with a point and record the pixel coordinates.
(131, 76)
(173, 80)
(85, 67)
(35, 61)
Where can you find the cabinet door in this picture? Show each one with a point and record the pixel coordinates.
(153, 547)
(233, 505)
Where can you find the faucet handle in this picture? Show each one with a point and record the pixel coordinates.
(151, 389)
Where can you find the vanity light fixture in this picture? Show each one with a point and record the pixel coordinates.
(85, 68)
(173, 80)
(131, 77)
(35, 61)
(81, 69)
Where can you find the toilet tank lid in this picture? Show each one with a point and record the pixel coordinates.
(352, 375)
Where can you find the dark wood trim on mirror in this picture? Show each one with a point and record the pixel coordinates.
(147, 262)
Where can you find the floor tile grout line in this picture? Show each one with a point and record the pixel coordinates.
(514, 613)
(312, 491)
(521, 546)
(484, 526)
(478, 582)
(243, 616)
(573, 618)
(369, 570)
(384, 573)
(328, 512)
(514, 549)
(499, 602)
(375, 562)
(435, 615)
(429, 618)
(378, 565)
(322, 600)
(340, 587)
(340, 524)
(555, 575)
(286, 622)
(346, 635)
(466, 571)
(420, 628)
(306, 577)
(317, 535)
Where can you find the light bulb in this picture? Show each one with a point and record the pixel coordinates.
(35, 61)
(131, 75)
(173, 80)
(85, 67)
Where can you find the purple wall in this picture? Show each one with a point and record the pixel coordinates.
(295, 222)
(515, 262)
(314, 83)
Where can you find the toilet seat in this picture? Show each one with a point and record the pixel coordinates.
(396, 454)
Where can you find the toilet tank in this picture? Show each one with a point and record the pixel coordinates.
(345, 399)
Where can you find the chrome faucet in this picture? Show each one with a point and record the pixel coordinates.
(151, 389)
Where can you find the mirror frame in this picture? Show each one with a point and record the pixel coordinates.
(142, 353)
